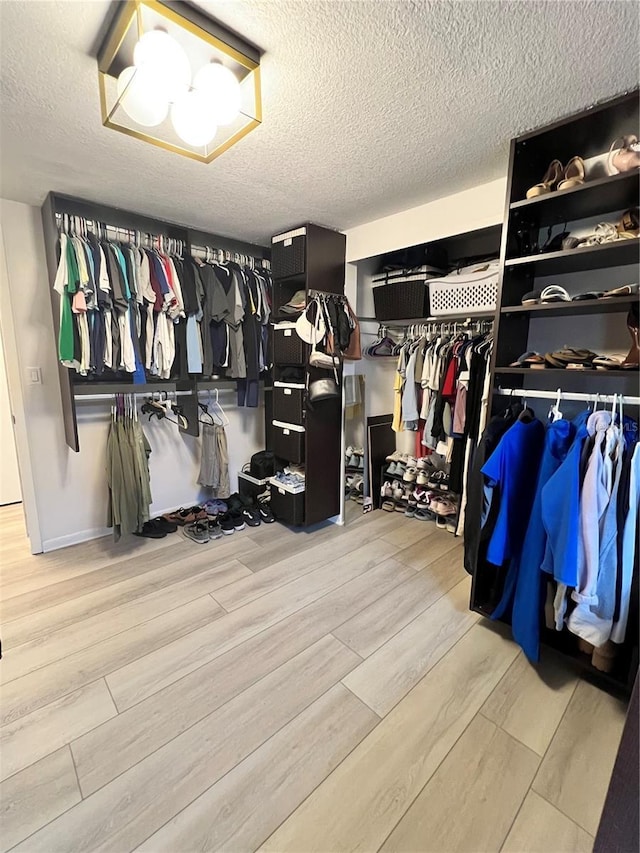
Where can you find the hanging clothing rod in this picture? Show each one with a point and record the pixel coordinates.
(213, 253)
(95, 398)
(339, 297)
(565, 395)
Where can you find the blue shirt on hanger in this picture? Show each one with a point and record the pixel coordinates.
(512, 471)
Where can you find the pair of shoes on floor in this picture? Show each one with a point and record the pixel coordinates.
(203, 532)
(157, 528)
(184, 516)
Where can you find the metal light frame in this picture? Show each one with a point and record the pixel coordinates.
(199, 25)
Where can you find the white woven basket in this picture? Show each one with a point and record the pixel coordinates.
(470, 292)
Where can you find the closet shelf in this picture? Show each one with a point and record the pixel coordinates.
(619, 253)
(82, 389)
(450, 318)
(605, 374)
(592, 198)
(590, 306)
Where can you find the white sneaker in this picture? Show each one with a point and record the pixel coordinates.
(409, 475)
(411, 461)
(422, 477)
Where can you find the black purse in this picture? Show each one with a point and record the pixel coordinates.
(263, 465)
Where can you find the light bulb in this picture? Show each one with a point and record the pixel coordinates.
(222, 90)
(192, 119)
(160, 55)
(140, 97)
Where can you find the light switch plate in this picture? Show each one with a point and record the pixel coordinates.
(34, 375)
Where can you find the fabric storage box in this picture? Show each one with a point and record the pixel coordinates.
(288, 346)
(288, 402)
(473, 290)
(401, 300)
(288, 441)
(250, 486)
(287, 506)
(288, 253)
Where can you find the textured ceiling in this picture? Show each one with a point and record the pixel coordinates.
(369, 107)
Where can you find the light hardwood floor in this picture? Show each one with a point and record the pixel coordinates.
(281, 690)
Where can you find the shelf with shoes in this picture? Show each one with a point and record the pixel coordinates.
(608, 326)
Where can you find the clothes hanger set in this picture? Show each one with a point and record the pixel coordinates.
(212, 411)
(79, 226)
(162, 408)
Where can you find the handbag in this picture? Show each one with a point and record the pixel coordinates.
(311, 332)
(354, 351)
(323, 389)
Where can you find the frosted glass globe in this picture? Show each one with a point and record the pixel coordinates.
(140, 97)
(192, 119)
(221, 88)
(160, 55)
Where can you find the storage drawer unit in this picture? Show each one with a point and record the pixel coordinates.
(288, 402)
(288, 441)
(288, 253)
(288, 347)
(287, 506)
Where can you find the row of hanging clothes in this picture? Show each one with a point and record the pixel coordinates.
(138, 305)
(441, 388)
(552, 524)
(128, 453)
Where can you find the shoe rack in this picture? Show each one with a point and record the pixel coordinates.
(595, 324)
(309, 258)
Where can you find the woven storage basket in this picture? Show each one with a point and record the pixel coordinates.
(288, 253)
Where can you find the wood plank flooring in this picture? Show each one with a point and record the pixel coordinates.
(283, 690)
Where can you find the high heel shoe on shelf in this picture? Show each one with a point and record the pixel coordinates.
(573, 174)
(553, 174)
(624, 154)
(633, 358)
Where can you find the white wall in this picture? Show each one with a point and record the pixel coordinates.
(478, 207)
(70, 495)
(9, 475)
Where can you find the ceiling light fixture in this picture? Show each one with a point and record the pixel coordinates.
(170, 68)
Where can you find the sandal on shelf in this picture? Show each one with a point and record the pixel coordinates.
(444, 507)
(531, 298)
(608, 362)
(566, 356)
(388, 506)
(583, 297)
(628, 227)
(625, 290)
(424, 515)
(633, 357)
(573, 174)
(624, 157)
(528, 359)
(549, 182)
(554, 293)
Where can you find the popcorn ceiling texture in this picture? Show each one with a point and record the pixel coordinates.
(369, 107)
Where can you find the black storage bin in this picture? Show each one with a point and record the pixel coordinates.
(288, 441)
(288, 256)
(288, 346)
(249, 486)
(286, 506)
(288, 404)
(402, 300)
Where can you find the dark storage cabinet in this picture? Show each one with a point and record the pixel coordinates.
(308, 258)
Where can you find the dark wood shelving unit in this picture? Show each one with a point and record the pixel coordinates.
(615, 305)
(319, 262)
(589, 135)
(603, 255)
(593, 198)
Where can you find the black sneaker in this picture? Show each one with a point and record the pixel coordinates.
(151, 531)
(238, 520)
(164, 524)
(251, 516)
(215, 531)
(266, 515)
(198, 532)
(226, 524)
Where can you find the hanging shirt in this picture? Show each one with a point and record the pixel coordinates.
(512, 471)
